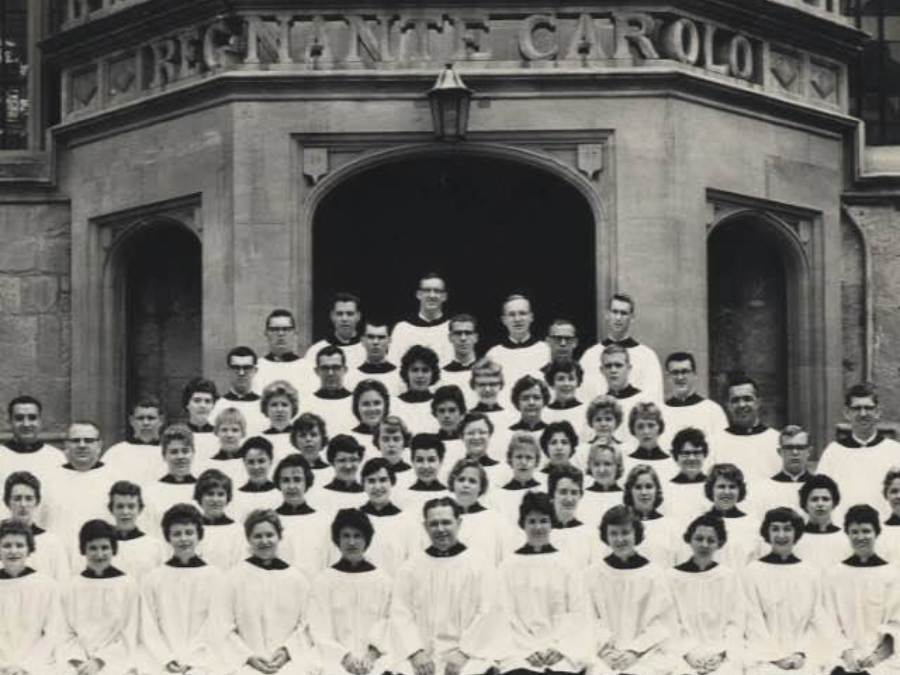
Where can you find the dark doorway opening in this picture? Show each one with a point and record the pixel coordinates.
(748, 313)
(163, 314)
(490, 227)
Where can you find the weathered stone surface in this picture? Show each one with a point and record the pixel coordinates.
(18, 345)
(18, 254)
(39, 294)
(10, 294)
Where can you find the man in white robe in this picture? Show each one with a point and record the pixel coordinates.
(282, 361)
(685, 407)
(428, 327)
(345, 315)
(521, 353)
(243, 366)
(137, 457)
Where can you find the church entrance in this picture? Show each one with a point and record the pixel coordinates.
(490, 227)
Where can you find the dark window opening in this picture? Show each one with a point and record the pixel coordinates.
(14, 98)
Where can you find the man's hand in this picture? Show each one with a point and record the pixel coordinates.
(90, 667)
(535, 660)
(422, 663)
(279, 658)
(174, 666)
(261, 664)
(697, 662)
(625, 660)
(851, 659)
(552, 657)
(455, 662)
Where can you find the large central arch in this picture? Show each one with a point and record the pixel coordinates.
(490, 224)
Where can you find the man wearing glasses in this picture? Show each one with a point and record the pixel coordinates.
(859, 462)
(429, 326)
(463, 338)
(685, 407)
(332, 400)
(562, 338)
(242, 369)
(282, 362)
(783, 489)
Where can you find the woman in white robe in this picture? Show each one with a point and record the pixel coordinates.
(823, 545)
(182, 610)
(862, 598)
(138, 552)
(643, 492)
(606, 468)
(725, 487)
(483, 531)
(350, 603)
(223, 542)
(709, 633)
(420, 370)
(267, 605)
(100, 607)
(258, 492)
(396, 530)
(31, 622)
(785, 614)
(543, 601)
(630, 602)
(22, 495)
(575, 539)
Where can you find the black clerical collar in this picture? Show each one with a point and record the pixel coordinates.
(37, 531)
(134, 440)
(691, 566)
(335, 341)
(564, 405)
(377, 368)
(456, 367)
(362, 429)
(387, 510)
(206, 428)
(681, 479)
(129, 535)
(340, 486)
(519, 485)
(676, 402)
(448, 435)
(109, 573)
(755, 430)
(332, 394)
(785, 477)
(855, 561)
(733, 512)
(319, 464)
(487, 408)
(893, 521)
(282, 358)
(433, 486)
(193, 562)
(522, 425)
(303, 509)
(24, 448)
(67, 465)
(421, 322)
(530, 341)
(344, 565)
(831, 528)
(484, 460)
(172, 480)
(626, 392)
(635, 561)
(775, 559)
(234, 396)
(653, 515)
(24, 573)
(628, 342)
(852, 442)
(653, 453)
(223, 456)
(416, 396)
(454, 550)
(559, 525)
(597, 487)
(218, 520)
(268, 486)
(400, 466)
(547, 468)
(529, 550)
(475, 508)
(268, 565)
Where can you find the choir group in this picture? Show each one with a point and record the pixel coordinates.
(393, 503)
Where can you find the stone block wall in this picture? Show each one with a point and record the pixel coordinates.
(35, 336)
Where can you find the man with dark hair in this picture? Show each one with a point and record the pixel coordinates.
(463, 336)
(242, 364)
(444, 601)
(685, 407)
(647, 373)
(747, 442)
(282, 361)
(376, 342)
(332, 401)
(138, 455)
(860, 461)
(345, 314)
(521, 352)
(429, 326)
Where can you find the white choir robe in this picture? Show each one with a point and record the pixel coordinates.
(44, 463)
(206, 444)
(519, 360)
(779, 490)
(859, 472)
(454, 450)
(160, 496)
(140, 463)
(354, 352)
(662, 542)
(51, 557)
(396, 538)
(139, 553)
(498, 474)
(418, 331)
(631, 609)
(755, 454)
(349, 611)
(596, 502)
(863, 604)
(254, 419)
(80, 496)
(295, 371)
(335, 496)
(487, 534)
(416, 415)
(224, 544)
(32, 626)
(710, 617)
(544, 606)
(247, 500)
(694, 411)
(337, 412)
(744, 543)
(627, 399)
(462, 378)
(502, 417)
(442, 603)
(574, 415)
(183, 618)
(887, 545)
(785, 614)
(390, 378)
(306, 540)
(413, 498)
(507, 497)
(266, 611)
(233, 467)
(646, 371)
(102, 621)
(684, 500)
(662, 462)
(824, 550)
(580, 543)
(281, 444)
